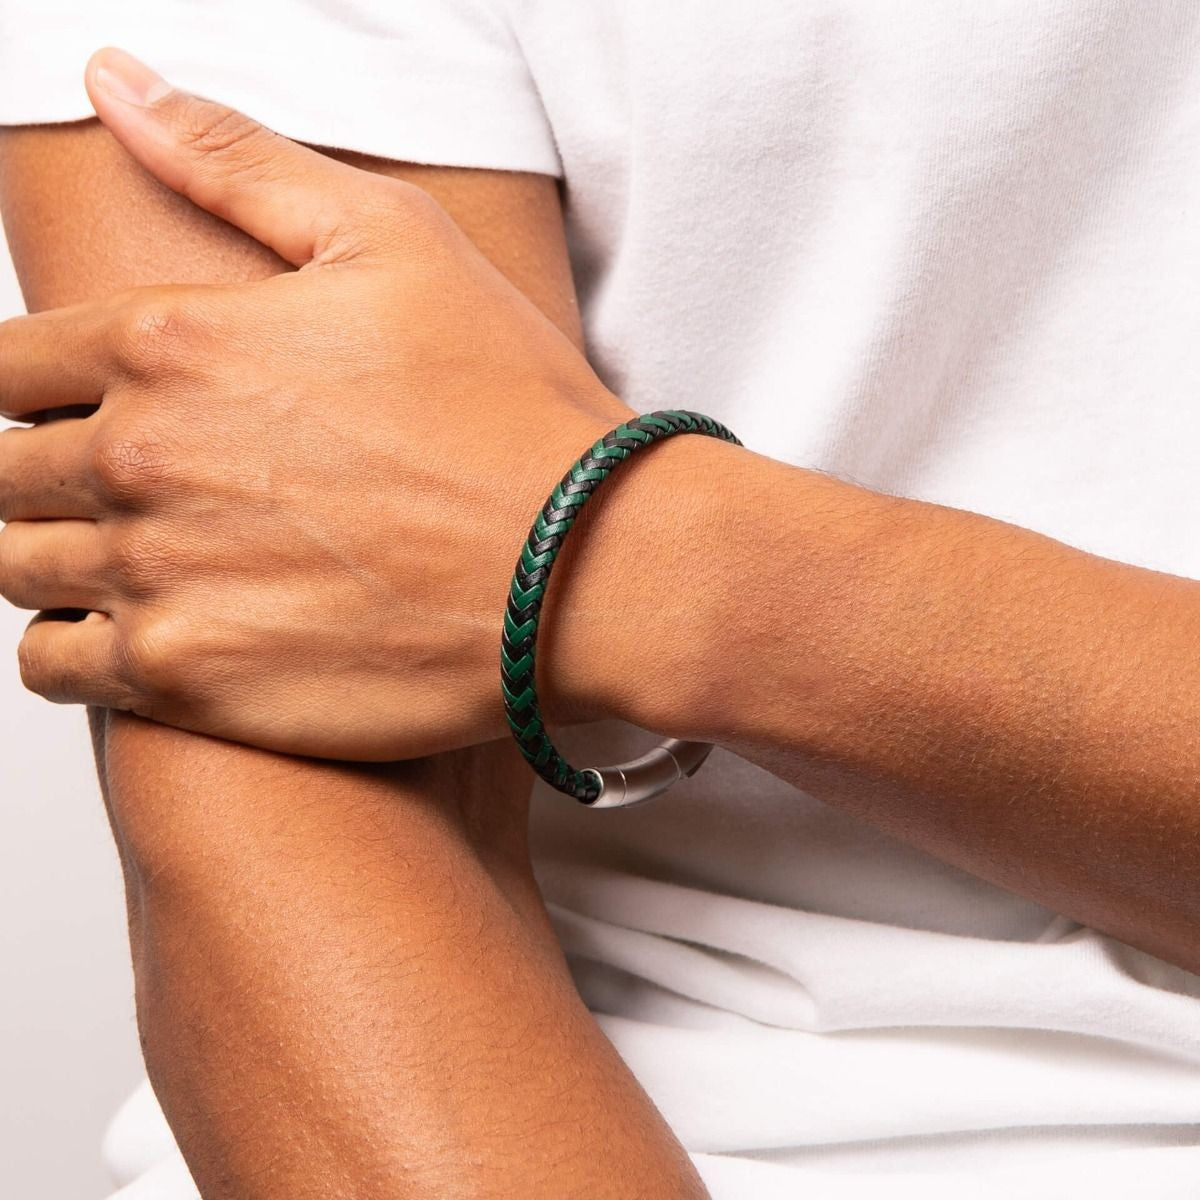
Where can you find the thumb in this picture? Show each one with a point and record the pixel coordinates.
(283, 195)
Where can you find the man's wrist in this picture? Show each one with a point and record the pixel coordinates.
(699, 577)
(641, 588)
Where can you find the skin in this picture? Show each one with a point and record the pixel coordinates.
(117, 513)
(1015, 706)
(346, 982)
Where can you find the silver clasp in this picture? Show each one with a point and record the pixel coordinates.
(643, 778)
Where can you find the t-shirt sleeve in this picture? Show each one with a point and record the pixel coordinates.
(429, 81)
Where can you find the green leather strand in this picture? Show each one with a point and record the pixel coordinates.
(518, 644)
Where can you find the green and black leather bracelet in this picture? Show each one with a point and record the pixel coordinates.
(599, 787)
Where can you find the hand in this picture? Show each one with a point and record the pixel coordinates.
(293, 515)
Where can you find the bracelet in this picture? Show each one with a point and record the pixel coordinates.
(599, 787)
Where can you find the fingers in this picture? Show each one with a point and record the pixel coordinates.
(73, 661)
(50, 360)
(53, 564)
(45, 473)
(68, 357)
(282, 194)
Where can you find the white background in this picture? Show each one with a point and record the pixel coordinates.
(68, 1043)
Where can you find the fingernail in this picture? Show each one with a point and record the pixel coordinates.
(129, 79)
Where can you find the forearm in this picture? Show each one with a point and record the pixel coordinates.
(346, 984)
(339, 1000)
(1017, 707)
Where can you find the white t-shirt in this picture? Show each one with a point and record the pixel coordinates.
(944, 249)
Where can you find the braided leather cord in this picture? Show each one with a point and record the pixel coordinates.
(518, 644)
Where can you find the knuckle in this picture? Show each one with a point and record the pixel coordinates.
(384, 215)
(128, 466)
(153, 335)
(153, 658)
(420, 214)
(401, 209)
(410, 200)
(209, 128)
